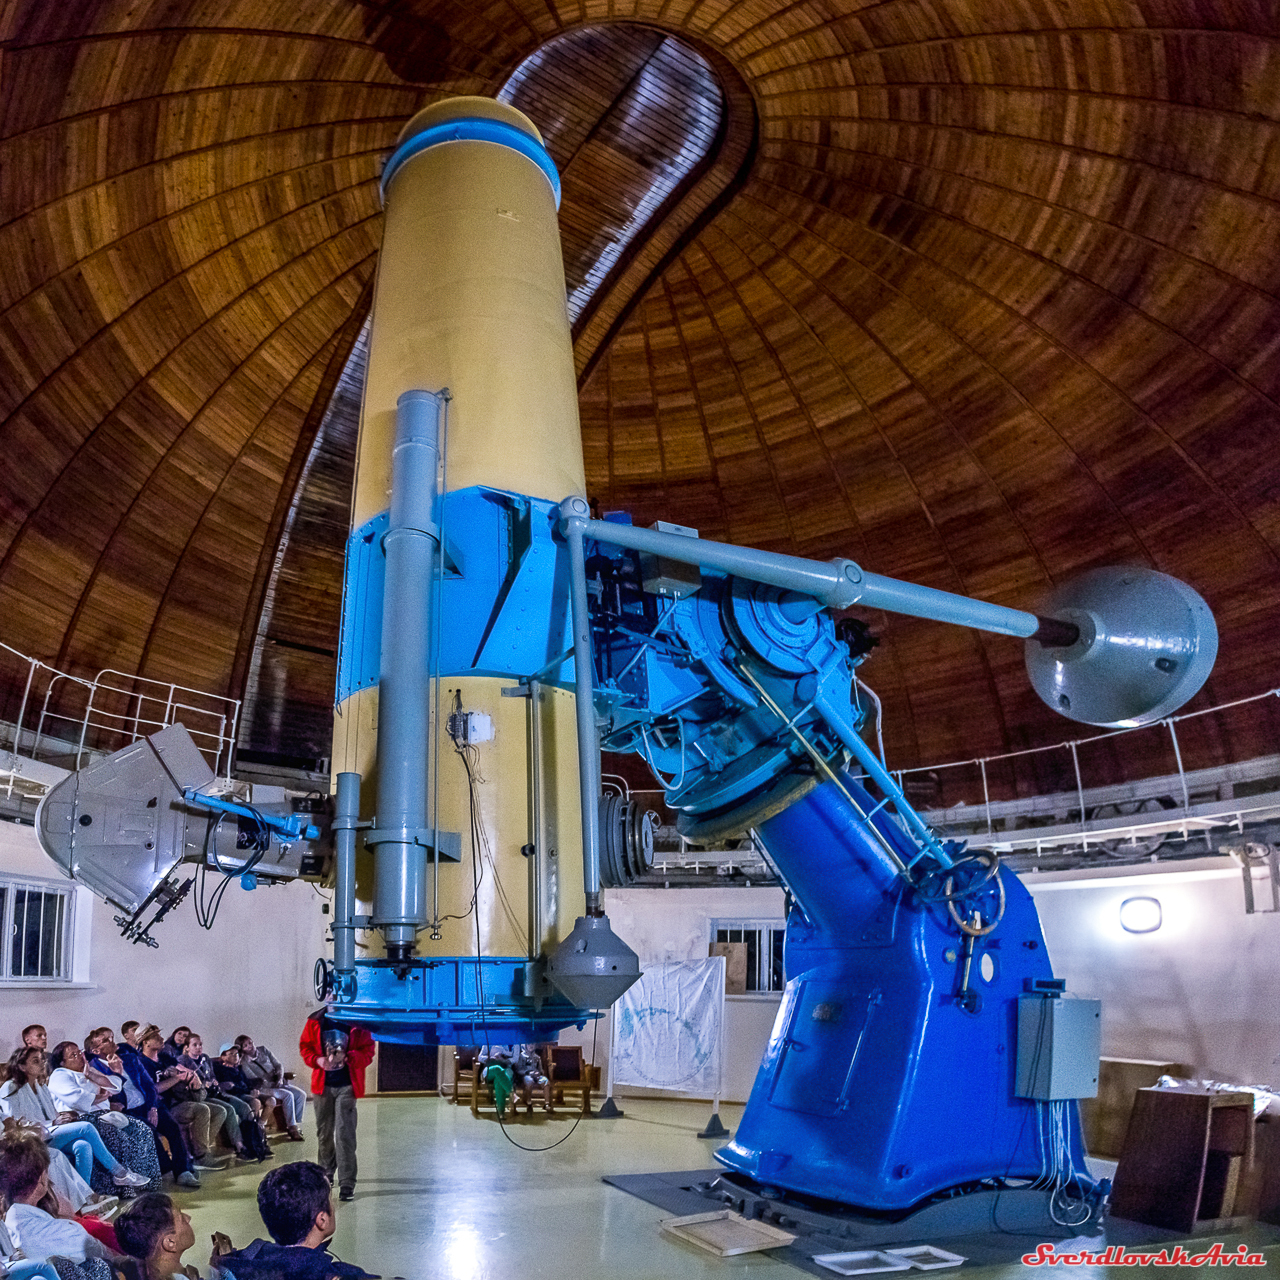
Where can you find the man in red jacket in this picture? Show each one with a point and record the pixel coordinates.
(337, 1053)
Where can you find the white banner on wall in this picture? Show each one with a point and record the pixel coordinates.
(669, 1028)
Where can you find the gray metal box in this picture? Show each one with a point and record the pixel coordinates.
(666, 577)
(1059, 1046)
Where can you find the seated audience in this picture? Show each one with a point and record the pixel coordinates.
(81, 1093)
(25, 1096)
(245, 1133)
(155, 1233)
(14, 1266)
(263, 1070)
(71, 1192)
(233, 1079)
(24, 1183)
(191, 1089)
(296, 1204)
(146, 1102)
(182, 1086)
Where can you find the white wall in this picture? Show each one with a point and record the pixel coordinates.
(251, 974)
(1202, 989)
(674, 924)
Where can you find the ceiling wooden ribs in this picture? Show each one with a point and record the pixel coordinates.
(980, 295)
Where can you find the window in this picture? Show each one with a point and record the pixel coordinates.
(35, 922)
(763, 940)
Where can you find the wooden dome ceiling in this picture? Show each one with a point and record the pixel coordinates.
(979, 295)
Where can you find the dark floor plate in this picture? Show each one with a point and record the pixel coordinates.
(986, 1228)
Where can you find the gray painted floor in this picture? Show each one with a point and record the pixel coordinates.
(444, 1195)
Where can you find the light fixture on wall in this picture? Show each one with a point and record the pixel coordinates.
(1140, 915)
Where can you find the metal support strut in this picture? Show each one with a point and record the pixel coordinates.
(575, 520)
(346, 818)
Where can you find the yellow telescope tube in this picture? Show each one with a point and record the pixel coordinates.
(470, 297)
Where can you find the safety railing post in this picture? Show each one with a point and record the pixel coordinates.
(986, 795)
(1182, 778)
(137, 714)
(32, 664)
(1084, 817)
(84, 724)
(44, 711)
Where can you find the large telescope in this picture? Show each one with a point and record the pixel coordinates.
(495, 635)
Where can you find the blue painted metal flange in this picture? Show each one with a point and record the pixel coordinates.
(473, 129)
(457, 1000)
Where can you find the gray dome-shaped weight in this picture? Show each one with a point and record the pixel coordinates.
(1147, 644)
(592, 967)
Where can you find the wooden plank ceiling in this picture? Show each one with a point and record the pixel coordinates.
(981, 295)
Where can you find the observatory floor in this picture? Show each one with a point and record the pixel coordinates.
(442, 1194)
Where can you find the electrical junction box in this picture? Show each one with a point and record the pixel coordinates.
(1059, 1047)
(665, 577)
(471, 727)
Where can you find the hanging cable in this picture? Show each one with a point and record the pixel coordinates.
(479, 843)
(503, 1124)
(206, 908)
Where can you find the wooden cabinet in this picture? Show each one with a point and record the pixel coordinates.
(1106, 1117)
(1185, 1153)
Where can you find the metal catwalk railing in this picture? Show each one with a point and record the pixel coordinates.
(1123, 820)
(1185, 801)
(67, 720)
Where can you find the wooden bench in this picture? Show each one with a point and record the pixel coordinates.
(481, 1091)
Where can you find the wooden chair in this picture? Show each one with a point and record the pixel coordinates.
(464, 1061)
(480, 1089)
(571, 1076)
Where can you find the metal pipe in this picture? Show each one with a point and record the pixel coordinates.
(574, 522)
(435, 721)
(894, 596)
(883, 779)
(346, 817)
(400, 840)
(535, 802)
(836, 583)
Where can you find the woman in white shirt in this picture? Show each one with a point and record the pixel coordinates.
(26, 1098)
(75, 1088)
(24, 1182)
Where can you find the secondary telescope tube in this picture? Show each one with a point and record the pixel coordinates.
(399, 842)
